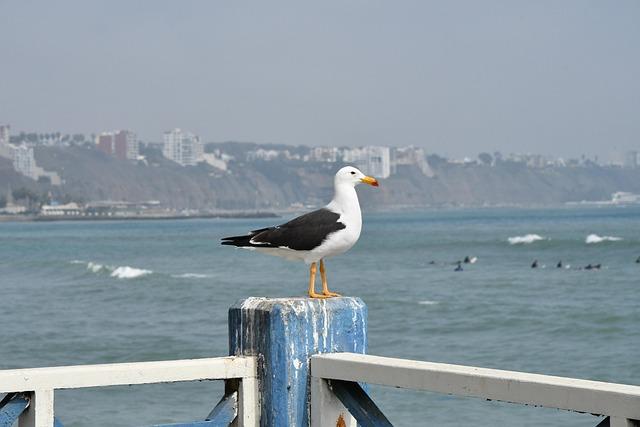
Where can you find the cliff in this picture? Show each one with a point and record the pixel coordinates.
(89, 174)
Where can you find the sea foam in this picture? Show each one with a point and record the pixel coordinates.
(120, 272)
(126, 272)
(594, 238)
(94, 267)
(526, 239)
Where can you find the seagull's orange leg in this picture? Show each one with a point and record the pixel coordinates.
(325, 286)
(312, 282)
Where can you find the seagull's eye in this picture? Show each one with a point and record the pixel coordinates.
(353, 173)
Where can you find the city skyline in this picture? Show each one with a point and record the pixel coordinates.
(187, 148)
(121, 174)
(457, 79)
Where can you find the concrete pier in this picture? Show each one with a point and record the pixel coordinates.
(284, 333)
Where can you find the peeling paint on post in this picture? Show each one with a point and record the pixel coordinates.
(283, 333)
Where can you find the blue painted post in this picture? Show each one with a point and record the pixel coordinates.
(284, 333)
(11, 407)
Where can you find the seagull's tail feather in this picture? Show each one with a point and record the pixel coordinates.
(237, 241)
(245, 240)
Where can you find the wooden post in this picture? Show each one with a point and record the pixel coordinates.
(284, 333)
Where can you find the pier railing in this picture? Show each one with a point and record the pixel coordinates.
(30, 392)
(343, 371)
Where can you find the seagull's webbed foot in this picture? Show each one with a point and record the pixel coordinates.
(316, 295)
(329, 294)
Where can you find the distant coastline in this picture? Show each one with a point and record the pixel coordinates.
(631, 200)
(247, 177)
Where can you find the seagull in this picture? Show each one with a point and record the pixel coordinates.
(317, 235)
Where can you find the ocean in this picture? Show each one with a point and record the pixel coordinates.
(101, 292)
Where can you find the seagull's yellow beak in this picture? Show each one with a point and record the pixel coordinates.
(370, 180)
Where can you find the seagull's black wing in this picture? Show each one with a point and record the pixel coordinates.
(303, 233)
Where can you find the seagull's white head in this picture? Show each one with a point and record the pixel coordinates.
(352, 176)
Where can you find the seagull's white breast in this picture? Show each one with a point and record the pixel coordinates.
(342, 240)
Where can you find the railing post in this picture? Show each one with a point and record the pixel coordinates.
(248, 401)
(621, 422)
(283, 334)
(326, 408)
(40, 410)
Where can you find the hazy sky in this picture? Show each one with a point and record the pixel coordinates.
(455, 77)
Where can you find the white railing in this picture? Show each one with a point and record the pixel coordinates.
(40, 383)
(618, 401)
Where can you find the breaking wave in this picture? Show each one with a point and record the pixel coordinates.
(428, 302)
(526, 239)
(127, 272)
(95, 267)
(119, 272)
(594, 238)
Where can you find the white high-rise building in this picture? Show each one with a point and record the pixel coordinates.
(133, 145)
(5, 132)
(24, 161)
(6, 150)
(375, 161)
(184, 148)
